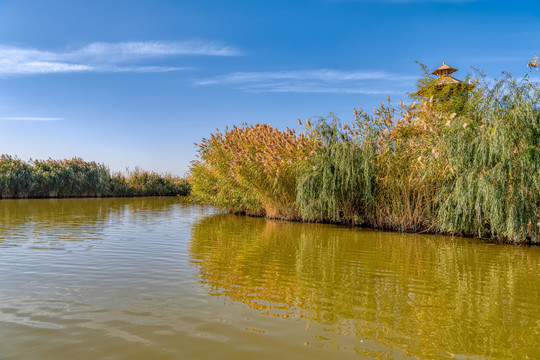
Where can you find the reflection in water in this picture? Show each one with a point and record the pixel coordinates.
(98, 279)
(58, 223)
(428, 296)
(155, 278)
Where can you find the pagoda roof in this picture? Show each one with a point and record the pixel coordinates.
(445, 80)
(444, 70)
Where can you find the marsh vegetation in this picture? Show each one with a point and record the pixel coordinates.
(460, 160)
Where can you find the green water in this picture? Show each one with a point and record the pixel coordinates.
(155, 278)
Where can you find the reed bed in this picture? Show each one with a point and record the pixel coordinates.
(78, 178)
(463, 163)
(251, 169)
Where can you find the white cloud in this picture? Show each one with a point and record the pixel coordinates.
(316, 81)
(40, 67)
(26, 118)
(105, 57)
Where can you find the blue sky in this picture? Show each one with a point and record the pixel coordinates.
(132, 83)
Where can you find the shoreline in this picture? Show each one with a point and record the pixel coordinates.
(87, 197)
(492, 240)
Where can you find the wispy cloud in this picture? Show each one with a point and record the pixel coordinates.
(105, 57)
(149, 49)
(316, 81)
(30, 118)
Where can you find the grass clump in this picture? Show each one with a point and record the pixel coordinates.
(251, 169)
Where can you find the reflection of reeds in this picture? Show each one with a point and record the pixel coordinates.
(58, 222)
(75, 178)
(465, 163)
(424, 294)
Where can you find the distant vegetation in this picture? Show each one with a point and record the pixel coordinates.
(462, 162)
(78, 178)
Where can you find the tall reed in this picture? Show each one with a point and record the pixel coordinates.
(336, 184)
(408, 166)
(251, 169)
(493, 153)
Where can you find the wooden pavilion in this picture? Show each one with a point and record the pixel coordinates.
(445, 78)
(445, 86)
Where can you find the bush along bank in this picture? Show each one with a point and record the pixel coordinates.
(78, 178)
(462, 161)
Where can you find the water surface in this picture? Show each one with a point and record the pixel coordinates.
(155, 278)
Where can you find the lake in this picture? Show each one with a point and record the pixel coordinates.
(157, 278)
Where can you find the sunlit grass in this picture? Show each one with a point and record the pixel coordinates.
(252, 169)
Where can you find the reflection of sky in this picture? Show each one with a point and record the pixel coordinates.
(55, 224)
(114, 254)
(136, 83)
